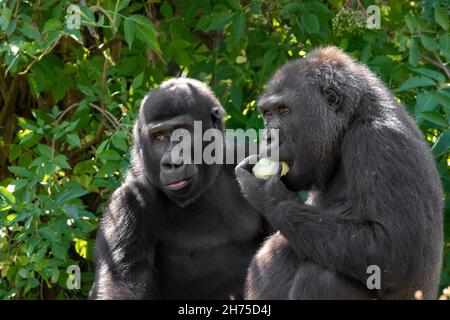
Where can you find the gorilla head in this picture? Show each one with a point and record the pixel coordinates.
(175, 104)
(312, 101)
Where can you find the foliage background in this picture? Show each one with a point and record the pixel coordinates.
(68, 99)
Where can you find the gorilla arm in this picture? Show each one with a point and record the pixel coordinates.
(124, 252)
(373, 226)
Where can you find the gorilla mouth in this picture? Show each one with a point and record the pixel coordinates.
(290, 163)
(178, 185)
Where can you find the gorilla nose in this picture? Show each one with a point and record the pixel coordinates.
(168, 164)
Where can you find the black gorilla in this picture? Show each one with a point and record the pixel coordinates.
(376, 197)
(175, 230)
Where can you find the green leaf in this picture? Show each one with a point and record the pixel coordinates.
(321, 9)
(52, 25)
(59, 250)
(220, 20)
(70, 194)
(291, 8)
(61, 161)
(430, 73)
(45, 150)
(87, 15)
(129, 30)
(122, 4)
(182, 57)
(181, 44)
(166, 10)
(108, 155)
(21, 172)
(414, 53)
(310, 22)
(428, 42)
(411, 22)
(435, 118)
(444, 44)
(237, 96)
(239, 26)
(7, 196)
(30, 31)
(120, 143)
(14, 152)
(441, 17)
(73, 140)
(416, 82)
(38, 162)
(48, 234)
(137, 81)
(5, 16)
(366, 53)
(442, 144)
(32, 243)
(72, 125)
(442, 98)
(234, 4)
(145, 31)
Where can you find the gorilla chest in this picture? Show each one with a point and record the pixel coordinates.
(195, 247)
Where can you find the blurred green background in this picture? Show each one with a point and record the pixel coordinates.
(68, 99)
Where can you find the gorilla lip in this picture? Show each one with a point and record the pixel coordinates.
(179, 184)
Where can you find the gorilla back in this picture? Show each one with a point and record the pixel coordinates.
(175, 230)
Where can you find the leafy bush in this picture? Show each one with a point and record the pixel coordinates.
(68, 99)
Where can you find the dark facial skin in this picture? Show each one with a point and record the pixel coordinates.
(178, 180)
(181, 182)
(283, 107)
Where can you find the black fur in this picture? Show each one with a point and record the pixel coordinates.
(375, 194)
(155, 243)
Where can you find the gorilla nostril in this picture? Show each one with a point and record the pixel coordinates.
(167, 166)
(177, 165)
(171, 166)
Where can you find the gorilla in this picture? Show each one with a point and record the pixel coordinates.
(175, 230)
(374, 208)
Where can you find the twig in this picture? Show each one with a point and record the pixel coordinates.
(3, 88)
(46, 51)
(108, 115)
(438, 63)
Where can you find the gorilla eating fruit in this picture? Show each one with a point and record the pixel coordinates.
(175, 230)
(372, 225)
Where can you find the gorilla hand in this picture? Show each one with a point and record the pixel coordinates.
(264, 195)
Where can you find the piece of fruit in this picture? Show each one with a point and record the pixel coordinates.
(265, 168)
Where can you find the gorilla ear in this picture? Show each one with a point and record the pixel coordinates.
(217, 114)
(333, 98)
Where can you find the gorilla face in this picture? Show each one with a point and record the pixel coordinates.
(310, 118)
(176, 104)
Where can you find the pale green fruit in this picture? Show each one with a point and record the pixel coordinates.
(265, 168)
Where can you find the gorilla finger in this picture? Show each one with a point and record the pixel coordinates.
(243, 174)
(248, 163)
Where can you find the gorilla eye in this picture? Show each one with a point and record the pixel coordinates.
(332, 97)
(283, 109)
(160, 136)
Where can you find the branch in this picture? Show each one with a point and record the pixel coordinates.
(437, 63)
(9, 101)
(3, 88)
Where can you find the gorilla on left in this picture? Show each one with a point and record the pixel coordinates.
(175, 230)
